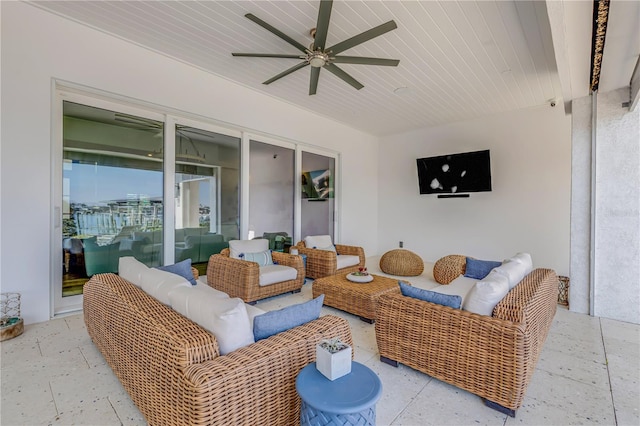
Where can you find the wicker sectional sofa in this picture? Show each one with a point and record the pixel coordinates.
(491, 356)
(172, 368)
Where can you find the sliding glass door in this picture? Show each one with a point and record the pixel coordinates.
(112, 192)
(318, 195)
(119, 193)
(271, 193)
(207, 174)
(130, 181)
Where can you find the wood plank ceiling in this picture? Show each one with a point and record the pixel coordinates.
(459, 60)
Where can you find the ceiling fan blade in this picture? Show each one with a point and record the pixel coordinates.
(313, 85)
(362, 37)
(276, 32)
(322, 26)
(343, 75)
(287, 72)
(365, 61)
(267, 55)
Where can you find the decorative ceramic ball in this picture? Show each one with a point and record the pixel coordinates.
(401, 262)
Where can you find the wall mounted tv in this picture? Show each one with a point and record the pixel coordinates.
(456, 174)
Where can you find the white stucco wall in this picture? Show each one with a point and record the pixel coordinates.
(528, 209)
(616, 250)
(38, 47)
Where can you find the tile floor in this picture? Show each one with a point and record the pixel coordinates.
(588, 373)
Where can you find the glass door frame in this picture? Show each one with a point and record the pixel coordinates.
(170, 176)
(337, 189)
(59, 304)
(247, 137)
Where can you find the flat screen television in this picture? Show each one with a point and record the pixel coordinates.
(455, 173)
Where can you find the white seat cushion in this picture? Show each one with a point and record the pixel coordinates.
(238, 247)
(461, 286)
(225, 318)
(160, 284)
(346, 260)
(272, 274)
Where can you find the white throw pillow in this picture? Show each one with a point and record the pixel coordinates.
(320, 242)
(160, 284)
(485, 295)
(238, 247)
(514, 271)
(525, 259)
(225, 318)
(131, 269)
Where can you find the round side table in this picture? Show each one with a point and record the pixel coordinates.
(348, 400)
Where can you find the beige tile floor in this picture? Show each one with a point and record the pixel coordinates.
(588, 373)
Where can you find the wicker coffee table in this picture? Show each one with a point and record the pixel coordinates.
(356, 298)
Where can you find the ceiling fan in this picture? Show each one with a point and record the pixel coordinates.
(318, 55)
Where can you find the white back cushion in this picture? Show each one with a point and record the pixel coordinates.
(525, 259)
(225, 318)
(160, 284)
(514, 271)
(238, 247)
(131, 269)
(485, 294)
(321, 242)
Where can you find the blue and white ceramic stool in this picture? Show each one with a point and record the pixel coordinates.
(348, 400)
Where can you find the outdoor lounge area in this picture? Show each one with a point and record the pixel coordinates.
(284, 149)
(584, 376)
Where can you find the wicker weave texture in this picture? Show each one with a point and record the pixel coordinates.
(356, 298)
(240, 278)
(311, 416)
(493, 357)
(172, 370)
(323, 263)
(401, 262)
(448, 268)
(196, 274)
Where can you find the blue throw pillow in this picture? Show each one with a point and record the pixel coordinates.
(479, 269)
(449, 300)
(275, 322)
(181, 268)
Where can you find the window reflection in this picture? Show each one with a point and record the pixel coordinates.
(206, 194)
(112, 192)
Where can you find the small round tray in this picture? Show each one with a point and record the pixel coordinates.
(360, 278)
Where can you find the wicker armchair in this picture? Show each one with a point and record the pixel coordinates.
(241, 278)
(322, 263)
